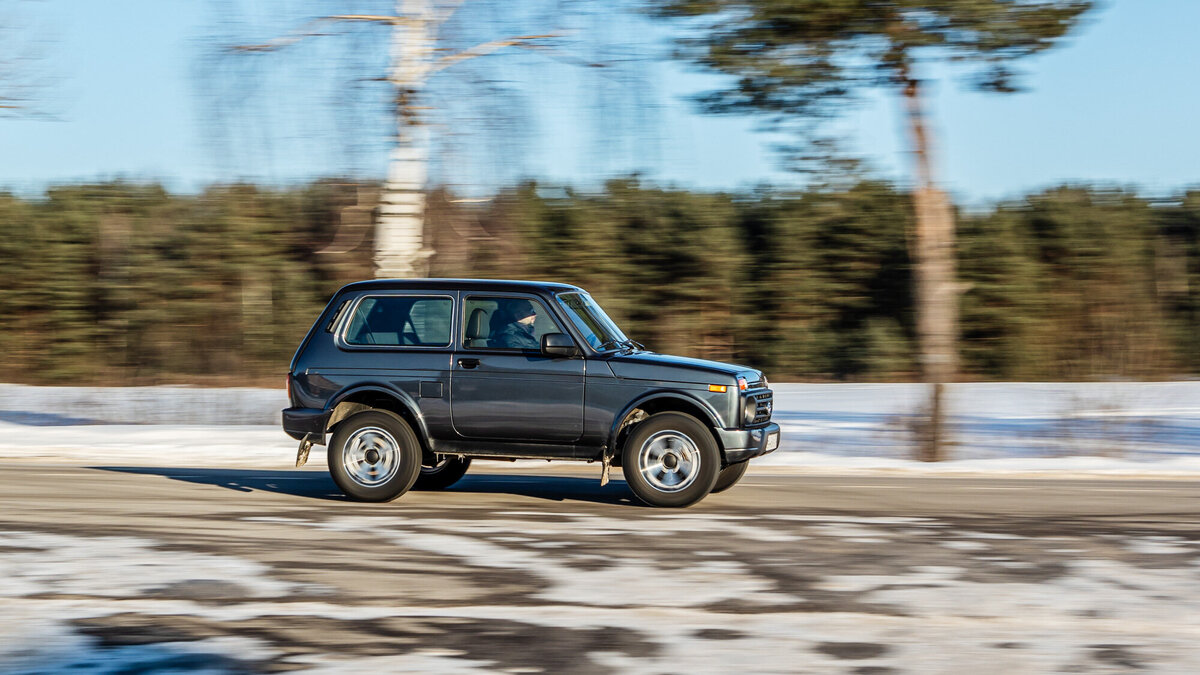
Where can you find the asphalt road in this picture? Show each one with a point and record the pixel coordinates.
(132, 569)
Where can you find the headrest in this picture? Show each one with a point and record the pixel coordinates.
(475, 327)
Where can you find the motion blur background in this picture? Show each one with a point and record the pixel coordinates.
(864, 198)
(189, 182)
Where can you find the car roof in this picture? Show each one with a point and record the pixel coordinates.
(459, 285)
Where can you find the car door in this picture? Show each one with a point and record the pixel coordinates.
(402, 340)
(504, 389)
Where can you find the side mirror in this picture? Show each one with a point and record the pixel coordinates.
(559, 345)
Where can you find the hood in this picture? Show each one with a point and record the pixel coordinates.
(650, 366)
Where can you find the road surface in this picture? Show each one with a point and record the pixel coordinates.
(128, 569)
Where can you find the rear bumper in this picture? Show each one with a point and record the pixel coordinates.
(743, 444)
(302, 423)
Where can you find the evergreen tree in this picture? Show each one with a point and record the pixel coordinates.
(796, 61)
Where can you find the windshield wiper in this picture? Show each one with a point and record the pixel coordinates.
(623, 344)
(610, 343)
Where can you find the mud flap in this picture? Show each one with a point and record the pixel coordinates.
(302, 452)
(605, 465)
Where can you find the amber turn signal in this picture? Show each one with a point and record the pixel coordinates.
(719, 388)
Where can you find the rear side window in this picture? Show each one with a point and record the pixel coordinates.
(401, 321)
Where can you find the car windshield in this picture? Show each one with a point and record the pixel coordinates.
(599, 330)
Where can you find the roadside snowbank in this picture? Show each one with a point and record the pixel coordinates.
(1078, 428)
(58, 406)
(266, 447)
(1140, 421)
(152, 445)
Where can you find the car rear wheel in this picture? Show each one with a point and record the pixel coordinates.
(442, 475)
(374, 457)
(730, 475)
(670, 460)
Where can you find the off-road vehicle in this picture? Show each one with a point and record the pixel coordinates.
(407, 381)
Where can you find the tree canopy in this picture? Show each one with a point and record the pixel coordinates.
(795, 58)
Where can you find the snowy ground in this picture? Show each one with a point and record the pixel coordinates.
(1145, 428)
(580, 606)
(141, 566)
(170, 571)
(64, 406)
(1131, 420)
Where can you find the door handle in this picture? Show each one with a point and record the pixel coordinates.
(468, 363)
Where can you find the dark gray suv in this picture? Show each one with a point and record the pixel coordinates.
(409, 380)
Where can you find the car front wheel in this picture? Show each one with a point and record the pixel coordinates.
(670, 460)
(374, 457)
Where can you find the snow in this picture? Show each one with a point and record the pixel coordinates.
(152, 445)
(1150, 428)
(57, 406)
(814, 463)
(1128, 420)
(1094, 613)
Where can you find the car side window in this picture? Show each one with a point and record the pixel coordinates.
(401, 321)
(492, 322)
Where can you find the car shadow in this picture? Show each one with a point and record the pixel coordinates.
(318, 484)
(41, 419)
(310, 484)
(554, 488)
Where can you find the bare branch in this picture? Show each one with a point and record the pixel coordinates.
(311, 29)
(376, 18)
(276, 44)
(25, 83)
(523, 41)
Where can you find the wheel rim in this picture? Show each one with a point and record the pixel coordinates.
(371, 456)
(669, 461)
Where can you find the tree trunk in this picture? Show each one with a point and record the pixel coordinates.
(400, 230)
(936, 288)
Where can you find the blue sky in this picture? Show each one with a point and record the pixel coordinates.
(1117, 104)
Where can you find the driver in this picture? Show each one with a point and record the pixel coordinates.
(517, 332)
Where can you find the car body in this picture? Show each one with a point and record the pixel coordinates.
(431, 354)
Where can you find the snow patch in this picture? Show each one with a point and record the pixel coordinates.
(118, 567)
(624, 582)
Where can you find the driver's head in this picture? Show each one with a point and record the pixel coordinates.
(522, 311)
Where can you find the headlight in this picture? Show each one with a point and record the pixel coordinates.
(749, 409)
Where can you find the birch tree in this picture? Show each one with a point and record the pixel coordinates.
(25, 82)
(419, 50)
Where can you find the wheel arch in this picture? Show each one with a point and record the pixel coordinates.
(663, 401)
(378, 397)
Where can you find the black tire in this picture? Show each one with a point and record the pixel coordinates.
(444, 474)
(384, 475)
(695, 457)
(729, 476)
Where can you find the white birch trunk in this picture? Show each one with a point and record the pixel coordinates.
(400, 231)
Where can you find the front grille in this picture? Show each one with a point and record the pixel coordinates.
(763, 405)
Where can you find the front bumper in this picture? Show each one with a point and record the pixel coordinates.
(743, 444)
(306, 423)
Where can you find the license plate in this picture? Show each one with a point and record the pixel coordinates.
(773, 441)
